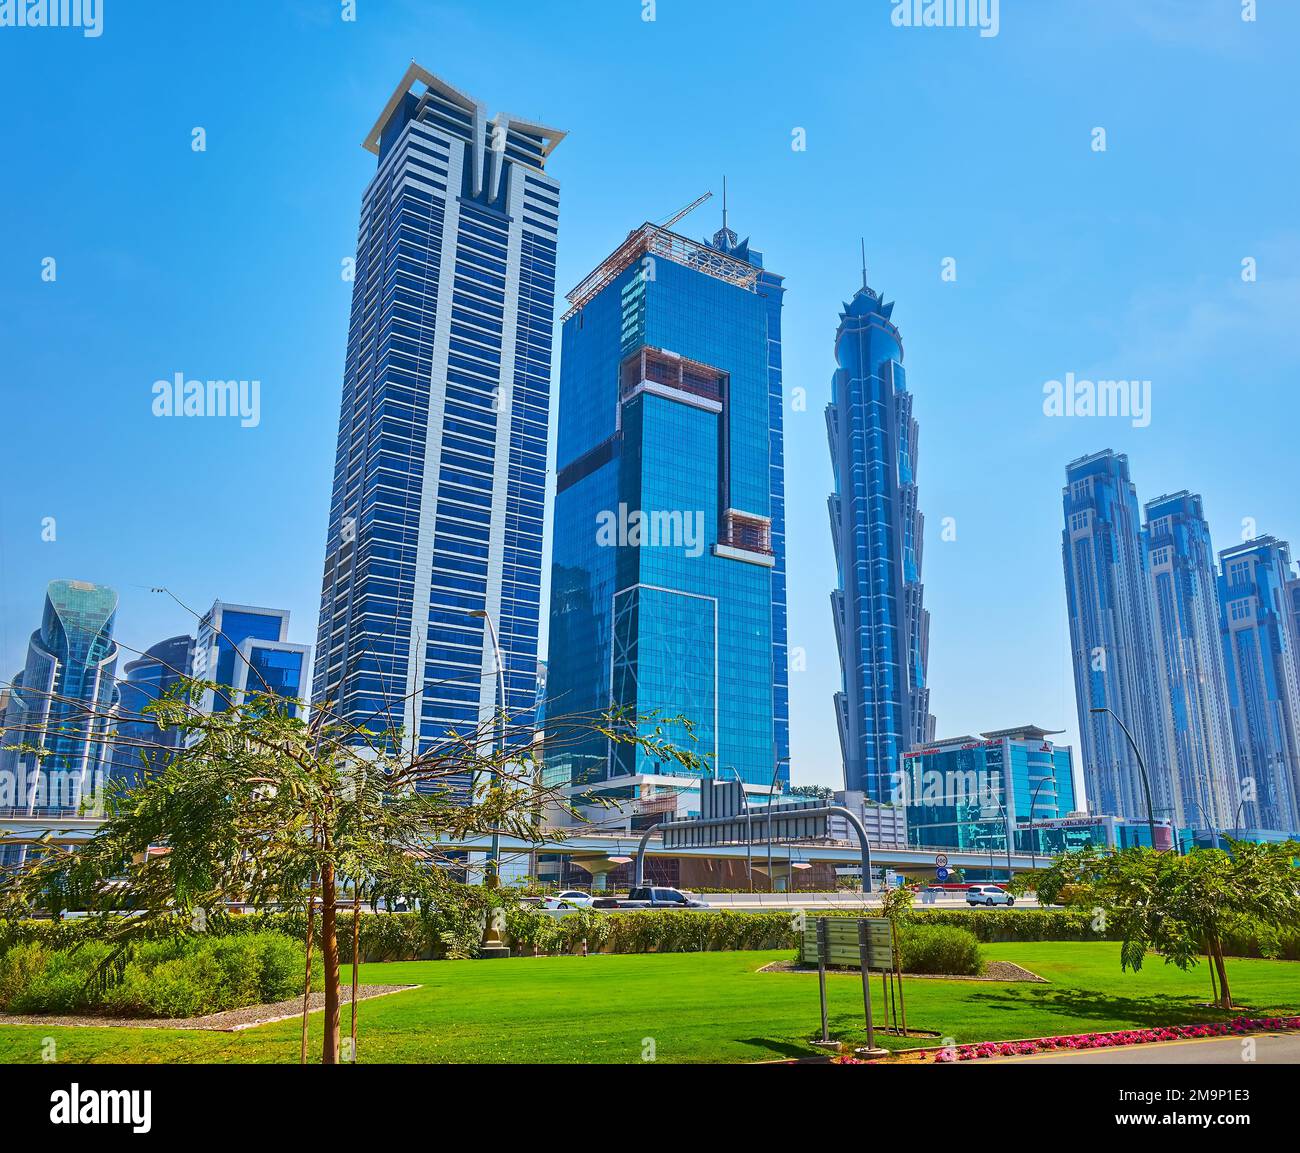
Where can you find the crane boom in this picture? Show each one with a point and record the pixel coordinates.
(694, 204)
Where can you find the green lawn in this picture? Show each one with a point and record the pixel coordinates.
(695, 1006)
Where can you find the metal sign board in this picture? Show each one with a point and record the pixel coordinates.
(842, 942)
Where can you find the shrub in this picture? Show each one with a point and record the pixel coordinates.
(940, 949)
(168, 977)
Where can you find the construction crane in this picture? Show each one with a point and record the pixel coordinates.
(676, 216)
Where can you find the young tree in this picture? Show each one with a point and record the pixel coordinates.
(261, 807)
(1181, 907)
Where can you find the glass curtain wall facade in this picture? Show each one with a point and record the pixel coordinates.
(967, 792)
(1263, 692)
(140, 747)
(440, 473)
(881, 627)
(667, 592)
(243, 650)
(1193, 685)
(60, 703)
(1112, 638)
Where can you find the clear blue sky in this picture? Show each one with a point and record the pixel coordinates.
(931, 143)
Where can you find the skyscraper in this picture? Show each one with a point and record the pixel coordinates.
(667, 591)
(881, 626)
(1112, 639)
(1293, 600)
(244, 650)
(1260, 654)
(139, 745)
(1189, 652)
(60, 702)
(439, 478)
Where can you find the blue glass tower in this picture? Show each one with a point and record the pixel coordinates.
(668, 592)
(1112, 638)
(440, 474)
(140, 747)
(61, 702)
(1189, 652)
(1261, 657)
(881, 626)
(244, 650)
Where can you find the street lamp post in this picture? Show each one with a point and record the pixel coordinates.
(1006, 825)
(749, 828)
(494, 853)
(1209, 824)
(1236, 823)
(1146, 780)
(1033, 803)
(777, 762)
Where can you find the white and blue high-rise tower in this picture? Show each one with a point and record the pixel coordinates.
(439, 479)
(1193, 687)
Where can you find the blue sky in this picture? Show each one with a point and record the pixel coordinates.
(930, 143)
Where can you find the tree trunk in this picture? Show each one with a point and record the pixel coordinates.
(306, 989)
(356, 960)
(329, 946)
(898, 969)
(1225, 994)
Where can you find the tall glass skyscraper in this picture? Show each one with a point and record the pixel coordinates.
(439, 480)
(1261, 656)
(140, 747)
(881, 626)
(60, 702)
(667, 591)
(1112, 638)
(1293, 599)
(1193, 687)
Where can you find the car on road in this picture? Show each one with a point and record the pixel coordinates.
(659, 897)
(571, 899)
(650, 897)
(989, 895)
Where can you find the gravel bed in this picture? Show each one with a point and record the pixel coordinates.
(230, 1021)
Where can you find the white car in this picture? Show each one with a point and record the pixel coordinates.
(989, 895)
(572, 899)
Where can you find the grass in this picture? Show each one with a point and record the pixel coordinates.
(694, 1007)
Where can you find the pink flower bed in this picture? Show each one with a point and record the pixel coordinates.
(1236, 1027)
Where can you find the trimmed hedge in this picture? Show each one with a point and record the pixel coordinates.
(170, 977)
(940, 949)
(455, 932)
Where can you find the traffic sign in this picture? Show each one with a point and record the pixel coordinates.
(941, 874)
(940, 860)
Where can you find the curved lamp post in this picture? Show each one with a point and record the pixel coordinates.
(1146, 780)
(1006, 828)
(498, 725)
(1033, 804)
(749, 828)
(777, 762)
